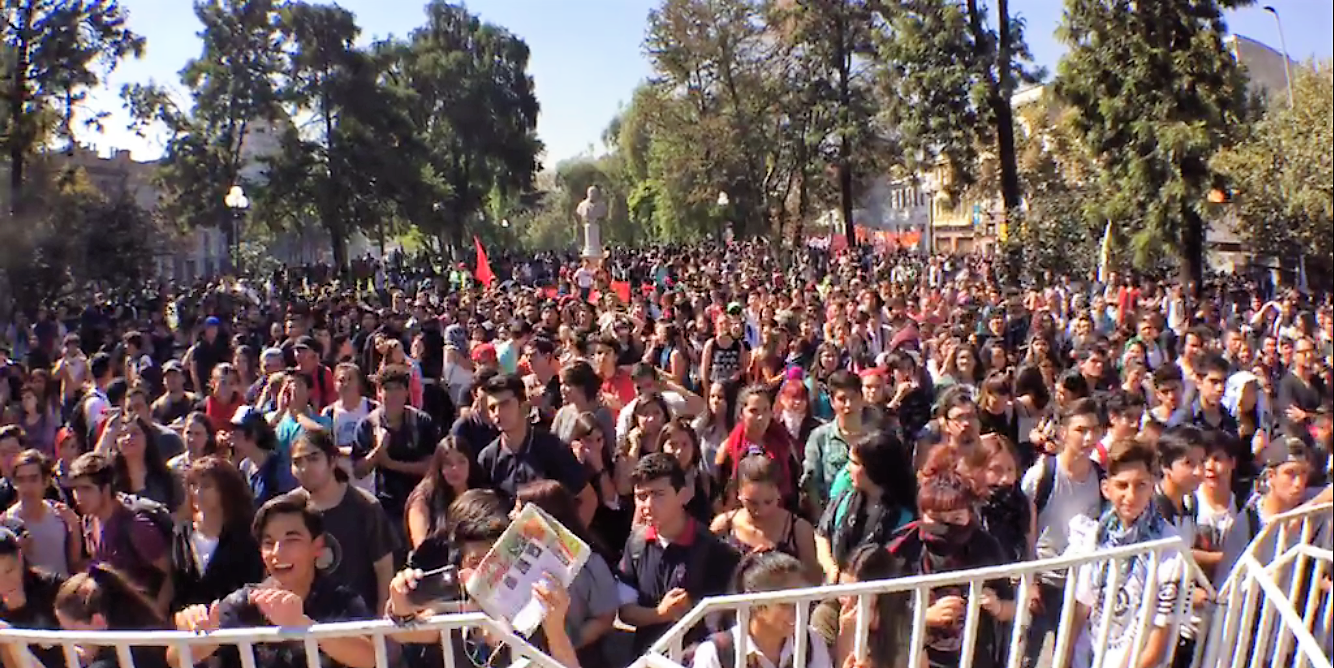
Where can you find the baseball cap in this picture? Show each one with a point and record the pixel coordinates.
(246, 417)
(212, 321)
(483, 351)
(271, 354)
(307, 342)
(1283, 451)
(173, 365)
(735, 308)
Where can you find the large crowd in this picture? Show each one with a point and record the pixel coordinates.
(303, 447)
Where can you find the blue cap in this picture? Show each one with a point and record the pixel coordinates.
(212, 321)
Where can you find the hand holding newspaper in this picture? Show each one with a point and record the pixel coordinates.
(534, 546)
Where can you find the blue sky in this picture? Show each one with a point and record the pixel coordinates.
(586, 54)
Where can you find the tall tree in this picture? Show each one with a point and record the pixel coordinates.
(1156, 94)
(470, 108)
(332, 166)
(54, 51)
(234, 94)
(1281, 172)
(949, 82)
(836, 42)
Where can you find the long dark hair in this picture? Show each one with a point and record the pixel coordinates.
(561, 505)
(154, 464)
(890, 639)
(103, 590)
(433, 489)
(238, 505)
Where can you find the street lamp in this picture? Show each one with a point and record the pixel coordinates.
(723, 202)
(723, 199)
(1287, 62)
(505, 223)
(237, 202)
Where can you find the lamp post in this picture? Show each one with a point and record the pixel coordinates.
(237, 203)
(1287, 62)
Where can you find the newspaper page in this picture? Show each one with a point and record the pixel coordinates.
(535, 545)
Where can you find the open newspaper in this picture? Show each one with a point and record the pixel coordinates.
(534, 546)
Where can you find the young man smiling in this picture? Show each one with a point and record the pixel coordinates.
(1130, 518)
(295, 595)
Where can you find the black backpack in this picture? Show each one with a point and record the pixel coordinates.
(1047, 481)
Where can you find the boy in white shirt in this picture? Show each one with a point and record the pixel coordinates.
(1131, 517)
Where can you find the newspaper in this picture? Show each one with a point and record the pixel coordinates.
(533, 546)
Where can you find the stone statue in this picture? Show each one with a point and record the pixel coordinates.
(591, 211)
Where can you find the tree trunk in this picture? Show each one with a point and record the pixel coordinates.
(1009, 163)
(1192, 251)
(18, 125)
(845, 144)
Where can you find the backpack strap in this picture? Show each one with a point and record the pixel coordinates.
(1046, 482)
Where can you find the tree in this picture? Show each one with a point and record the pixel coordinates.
(948, 84)
(1156, 94)
(835, 41)
(233, 90)
(54, 51)
(1281, 172)
(471, 115)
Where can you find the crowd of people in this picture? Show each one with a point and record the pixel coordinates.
(302, 449)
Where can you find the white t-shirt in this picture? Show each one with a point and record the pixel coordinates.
(1131, 600)
(345, 424)
(1069, 500)
(583, 278)
(817, 653)
(625, 420)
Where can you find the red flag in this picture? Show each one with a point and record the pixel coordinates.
(483, 272)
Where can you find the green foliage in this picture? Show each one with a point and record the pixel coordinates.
(70, 235)
(1281, 171)
(233, 92)
(1156, 95)
(470, 119)
(53, 52)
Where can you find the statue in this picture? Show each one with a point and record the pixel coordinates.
(591, 211)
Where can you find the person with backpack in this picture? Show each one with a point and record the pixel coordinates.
(771, 629)
(1062, 487)
(129, 533)
(93, 405)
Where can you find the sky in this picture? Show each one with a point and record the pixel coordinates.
(587, 55)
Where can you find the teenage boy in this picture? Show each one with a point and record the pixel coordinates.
(115, 534)
(295, 595)
(1284, 479)
(1181, 453)
(1125, 412)
(671, 561)
(1128, 489)
(828, 445)
(359, 540)
(1063, 487)
(255, 445)
(395, 442)
(1207, 411)
(1167, 391)
(523, 453)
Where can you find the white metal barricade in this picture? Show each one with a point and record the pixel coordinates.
(246, 639)
(669, 649)
(1274, 607)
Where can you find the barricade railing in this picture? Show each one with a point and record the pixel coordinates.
(668, 650)
(1274, 609)
(245, 640)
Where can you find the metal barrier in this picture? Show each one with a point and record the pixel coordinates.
(1275, 603)
(246, 639)
(1281, 579)
(667, 652)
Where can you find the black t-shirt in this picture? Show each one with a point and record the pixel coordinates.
(327, 602)
(541, 457)
(38, 612)
(413, 441)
